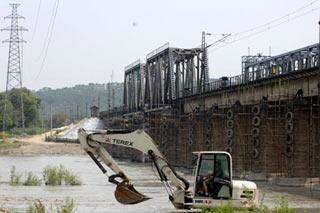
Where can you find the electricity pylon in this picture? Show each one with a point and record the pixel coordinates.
(14, 72)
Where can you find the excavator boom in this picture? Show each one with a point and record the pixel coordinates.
(92, 143)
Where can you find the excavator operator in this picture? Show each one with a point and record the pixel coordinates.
(209, 186)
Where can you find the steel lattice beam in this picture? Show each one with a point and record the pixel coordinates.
(134, 86)
(172, 73)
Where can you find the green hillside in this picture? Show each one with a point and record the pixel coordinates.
(76, 101)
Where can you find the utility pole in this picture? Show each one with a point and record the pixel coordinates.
(113, 97)
(71, 114)
(14, 72)
(270, 50)
(78, 112)
(319, 64)
(98, 100)
(41, 116)
(86, 109)
(109, 95)
(319, 48)
(50, 119)
(204, 78)
(113, 92)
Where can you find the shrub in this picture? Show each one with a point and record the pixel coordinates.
(14, 177)
(52, 175)
(37, 207)
(222, 208)
(56, 175)
(67, 207)
(32, 180)
(4, 210)
(284, 206)
(71, 179)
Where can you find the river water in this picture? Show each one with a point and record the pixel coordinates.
(96, 193)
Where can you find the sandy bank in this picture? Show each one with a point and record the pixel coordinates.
(36, 145)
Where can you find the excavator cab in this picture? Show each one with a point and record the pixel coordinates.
(213, 175)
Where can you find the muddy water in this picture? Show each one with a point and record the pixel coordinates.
(96, 194)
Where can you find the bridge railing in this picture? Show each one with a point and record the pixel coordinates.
(158, 50)
(133, 64)
(119, 110)
(294, 61)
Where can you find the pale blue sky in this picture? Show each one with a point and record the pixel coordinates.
(92, 38)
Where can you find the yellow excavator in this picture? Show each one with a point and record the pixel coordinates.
(213, 182)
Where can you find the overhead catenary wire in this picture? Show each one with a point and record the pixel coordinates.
(49, 40)
(269, 27)
(277, 19)
(265, 25)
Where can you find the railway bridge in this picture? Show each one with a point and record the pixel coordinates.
(267, 117)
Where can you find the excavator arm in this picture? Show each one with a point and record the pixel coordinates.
(176, 186)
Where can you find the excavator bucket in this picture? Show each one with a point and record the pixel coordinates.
(126, 194)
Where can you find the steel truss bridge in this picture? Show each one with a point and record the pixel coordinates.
(170, 74)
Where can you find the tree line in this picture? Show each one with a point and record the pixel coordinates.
(56, 106)
(73, 103)
(10, 108)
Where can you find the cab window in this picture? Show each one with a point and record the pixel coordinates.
(206, 165)
(213, 178)
(222, 166)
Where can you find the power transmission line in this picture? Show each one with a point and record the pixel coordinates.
(48, 31)
(36, 22)
(49, 41)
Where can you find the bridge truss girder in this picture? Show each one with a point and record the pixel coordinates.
(134, 87)
(297, 60)
(172, 73)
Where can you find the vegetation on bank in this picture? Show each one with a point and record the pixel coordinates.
(58, 175)
(33, 130)
(58, 107)
(12, 108)
(52, 175)
(67, 207)
(282, 207)
(7, 145)
(34, 120)
(32, 180)
(74, 102)
(15, 177)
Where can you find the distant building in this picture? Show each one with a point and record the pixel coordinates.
(94, 110)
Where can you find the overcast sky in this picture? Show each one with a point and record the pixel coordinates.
(92, 38)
